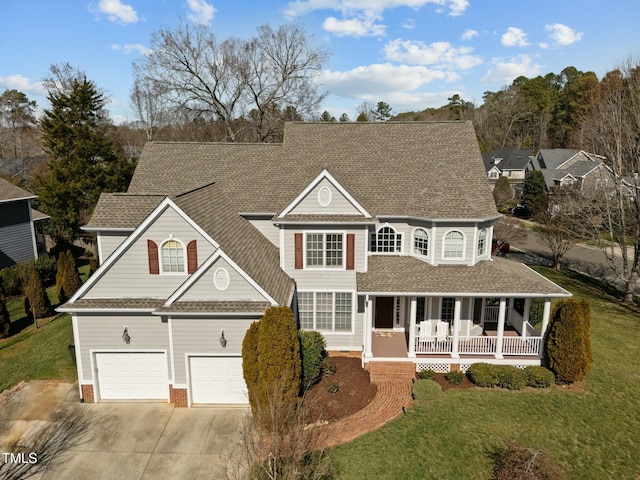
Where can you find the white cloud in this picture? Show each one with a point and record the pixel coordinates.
(506, 71)
(515, 37)
(469, 34)
(563, 35)
(117, 11)
(353, 27)
(200, 12)
(441, 54)
(369, 7)
(129, 48)
(22, 84)
(409, 24)
(381, 80)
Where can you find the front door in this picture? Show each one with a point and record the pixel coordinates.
(384, 312)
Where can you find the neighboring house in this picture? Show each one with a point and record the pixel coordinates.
(21, 237)
(378, 235)
(569, 167)
(507, 162)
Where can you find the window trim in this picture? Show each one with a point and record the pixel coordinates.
(453, 312)
(396, 233)
(483, 253)
(413, 242)
(324, 250)
(444, 244)
(333, 331)
(161, 256)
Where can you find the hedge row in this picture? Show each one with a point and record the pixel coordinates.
(510, 377)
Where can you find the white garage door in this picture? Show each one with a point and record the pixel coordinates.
(132, 376)
(217, 380)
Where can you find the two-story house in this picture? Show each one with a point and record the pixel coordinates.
(563, 167)
(508, 162)
(21, 238)
(376, 234)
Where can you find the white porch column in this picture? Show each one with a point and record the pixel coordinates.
(525, 316)
(501, 318)
(412, 326)
(545, 315)
(368, 327)
(456, 327)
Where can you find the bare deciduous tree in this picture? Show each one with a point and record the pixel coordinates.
(148, 100)
(227, 80)
(507, 230)
(612, 131)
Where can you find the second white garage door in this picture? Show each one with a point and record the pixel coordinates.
(132, 376)
(217, 380)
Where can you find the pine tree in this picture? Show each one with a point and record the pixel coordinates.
(534, 194)
(37, 302)
(250, 369)
(72, 280)
(83, 163)
(60, 278)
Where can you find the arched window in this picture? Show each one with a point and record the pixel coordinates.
(482, 242)
(454, 245)
(386, 240)
(421, 242)
(172, 257)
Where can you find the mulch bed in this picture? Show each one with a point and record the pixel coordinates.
(355, 391)
(441, 379)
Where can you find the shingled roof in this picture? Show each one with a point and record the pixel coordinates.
(421, 169)
(10, 192)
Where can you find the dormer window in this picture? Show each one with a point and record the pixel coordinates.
(386, 240)
(172, 253)
(454, 245)
(493, 174)
(421, 242)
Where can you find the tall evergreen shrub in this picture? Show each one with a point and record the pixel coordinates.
(568, 341)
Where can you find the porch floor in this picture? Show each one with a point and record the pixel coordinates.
(389, 345)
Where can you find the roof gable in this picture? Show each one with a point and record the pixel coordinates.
(324, 196)
(10, 192)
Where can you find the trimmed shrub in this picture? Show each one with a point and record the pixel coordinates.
(93, 266)
(47, 268)
(568, 341)
(511, 378)
(427, 374)
(515, 462)
(483, 375)
(328, 367)
(333, 387)
(279, 367)
(10, 282)
(250, 369)
(454, 378)
(5, 320)
(539, 377)
(312, 348)
(36, 302)
(60, 278)
(72, 280)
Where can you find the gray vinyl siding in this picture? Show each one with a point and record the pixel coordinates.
(469, 232)
(129, 276)
(16, 244)
(268, 229)
(202, 336)
(109, 241)
(339, 203)
(205, 289)
(104, 332)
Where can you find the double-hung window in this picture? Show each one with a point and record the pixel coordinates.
(326, 311)
(448, 309)
(324, 250)
(482, 242)
(454, 245)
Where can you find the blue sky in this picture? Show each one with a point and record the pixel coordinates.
(412, 54)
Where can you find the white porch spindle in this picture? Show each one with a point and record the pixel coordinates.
(456, 327)
(368, 328)
(501, 318)
(412, 326)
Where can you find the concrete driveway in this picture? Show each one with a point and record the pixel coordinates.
(123, 441)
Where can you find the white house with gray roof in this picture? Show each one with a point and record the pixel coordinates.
(376, 234)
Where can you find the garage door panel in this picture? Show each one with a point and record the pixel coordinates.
(132, 376)
(217, 380)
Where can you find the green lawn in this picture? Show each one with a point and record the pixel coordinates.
(592, 433)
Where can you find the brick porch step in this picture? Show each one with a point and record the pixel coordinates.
(391, 371)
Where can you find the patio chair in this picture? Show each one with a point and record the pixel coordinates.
(442, 330)
(425, 336)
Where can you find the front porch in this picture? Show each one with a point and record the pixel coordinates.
(453, 330)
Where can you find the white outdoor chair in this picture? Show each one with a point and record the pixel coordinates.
(442, 330)
(426, 328)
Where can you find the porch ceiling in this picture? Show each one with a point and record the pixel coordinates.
(410, 275)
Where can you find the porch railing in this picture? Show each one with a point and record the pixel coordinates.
(491, 313)
(479, 345)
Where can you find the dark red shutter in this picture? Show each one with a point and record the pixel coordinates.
(192, 257)
(351, 241)
(154, 265)
(298, 250)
